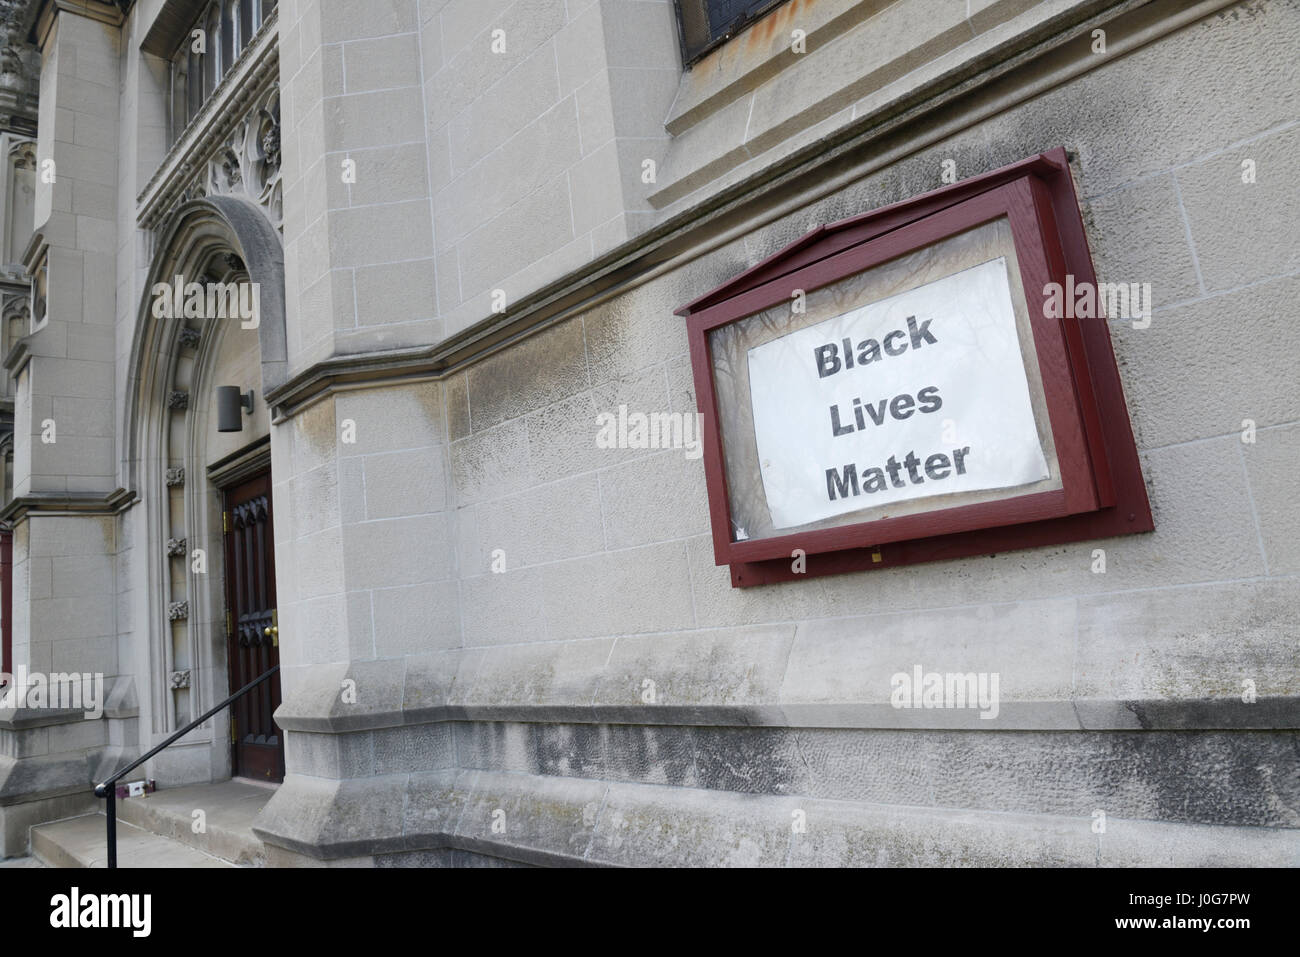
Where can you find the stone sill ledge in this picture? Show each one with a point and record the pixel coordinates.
(24, 719)
(773, 127)
(763, 50)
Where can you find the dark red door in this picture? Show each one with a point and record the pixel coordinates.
(252, 632)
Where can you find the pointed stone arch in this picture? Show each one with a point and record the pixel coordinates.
(180, 618)
(199, 230)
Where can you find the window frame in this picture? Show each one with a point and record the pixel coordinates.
(692, 55)
(228, 37)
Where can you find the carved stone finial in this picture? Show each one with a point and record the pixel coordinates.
(175, 477)
(178, 401)
(190, 337)
(180, 679)
(175, 547)
(178, 611)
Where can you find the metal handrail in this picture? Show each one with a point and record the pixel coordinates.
(108, 790)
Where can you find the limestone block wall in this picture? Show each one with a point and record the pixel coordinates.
(604, 691)
(363, 566)
(358, 214)
(540, 116)
(64, 450)
(75, 213)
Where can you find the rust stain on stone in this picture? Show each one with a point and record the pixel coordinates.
(776, 22)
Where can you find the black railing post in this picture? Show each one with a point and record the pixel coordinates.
(111, 811)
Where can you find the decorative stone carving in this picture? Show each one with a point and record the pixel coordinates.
(248, 160)
(17, 317)
(190, 337)
(178, 611)
(180, 679)
(270, 129)
(175, 477)
(228, 169)
(23, 155)
(176, 547)
(178, 401)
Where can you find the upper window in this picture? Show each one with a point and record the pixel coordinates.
(208, 51)
(707, 23)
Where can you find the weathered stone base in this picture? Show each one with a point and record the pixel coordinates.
(473, 818)
(620, 795)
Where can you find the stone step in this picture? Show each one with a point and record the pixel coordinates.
(229, 809)
(81, 842)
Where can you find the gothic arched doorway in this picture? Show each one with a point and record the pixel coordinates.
(202, 466)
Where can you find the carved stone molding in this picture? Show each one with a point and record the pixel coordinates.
(180, 679)
(175, 547)
(175, 477)
(244, 162)
(190, 337)
(178, 611)
(178, 401)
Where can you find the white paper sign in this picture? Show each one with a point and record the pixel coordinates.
(920, 394)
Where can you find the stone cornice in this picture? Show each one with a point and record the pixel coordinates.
(63, 503)
(112, 13)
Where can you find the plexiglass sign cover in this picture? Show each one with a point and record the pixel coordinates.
(911, 386)
(923, 393)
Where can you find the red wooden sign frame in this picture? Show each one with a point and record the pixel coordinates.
(1102, 492)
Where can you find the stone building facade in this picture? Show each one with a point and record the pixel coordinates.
(470, 223)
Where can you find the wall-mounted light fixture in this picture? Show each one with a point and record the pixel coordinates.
(231, 406)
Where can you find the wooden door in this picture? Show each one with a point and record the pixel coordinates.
(250, 602)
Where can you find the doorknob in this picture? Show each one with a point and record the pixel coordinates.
(272, 630)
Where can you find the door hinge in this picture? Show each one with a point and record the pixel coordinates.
(225, 521)
(233, 735)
